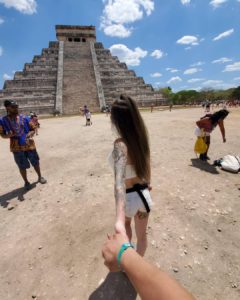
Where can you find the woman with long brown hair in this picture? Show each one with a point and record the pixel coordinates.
(131, 161)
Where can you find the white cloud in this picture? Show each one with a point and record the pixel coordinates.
(172, 70)
(28, 7)
(237, 78)
(157, 54)
(1, 20)
(217, 3)
(224, 34)
(6, 77)
(117, 30)
(1, 51)
(118, 14)
(212, 82)
(221, 60)
(130, 57)
(157, 74)
(233, 67)
(188, 40)
(193, 80)
(192, 71)
(185, 1)
(174, 79)
(196, 88)
(197, 64)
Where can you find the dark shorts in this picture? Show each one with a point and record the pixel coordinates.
(22, 158)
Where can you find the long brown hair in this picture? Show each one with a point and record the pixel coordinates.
(126, 117)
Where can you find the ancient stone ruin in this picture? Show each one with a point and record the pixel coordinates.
(74, 71)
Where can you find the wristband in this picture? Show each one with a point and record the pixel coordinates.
(124, 247)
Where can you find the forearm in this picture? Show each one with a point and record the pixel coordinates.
(120, 160)
(120, 199)
(222, 129)
(150, 282)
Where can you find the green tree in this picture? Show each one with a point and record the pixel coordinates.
(235, 95)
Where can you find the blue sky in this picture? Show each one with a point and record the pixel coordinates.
(185, 44)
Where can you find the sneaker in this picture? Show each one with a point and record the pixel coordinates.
(27, 186)
(42, 180)
(202, 157)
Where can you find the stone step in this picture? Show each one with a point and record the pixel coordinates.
(47, 74)
(45, 59)
(27, 92)
(33, 68)
(111, 66)
(122, 87)
(53, 44)
(107, 81)
(117, 72)
(53, 63)
(30, 83)
(49, 51)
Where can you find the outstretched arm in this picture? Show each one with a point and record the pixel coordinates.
(150, 282)
(120, 161)
(222, 129)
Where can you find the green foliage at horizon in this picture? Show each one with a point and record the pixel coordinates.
(193, 96)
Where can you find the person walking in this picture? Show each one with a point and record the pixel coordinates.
(20, 131)
(131, 162)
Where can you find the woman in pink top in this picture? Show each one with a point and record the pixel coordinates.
(208, 123)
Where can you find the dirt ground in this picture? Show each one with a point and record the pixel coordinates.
(51, 236)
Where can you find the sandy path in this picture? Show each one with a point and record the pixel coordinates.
(50, 241)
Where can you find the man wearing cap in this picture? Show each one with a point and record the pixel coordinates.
(20, 131)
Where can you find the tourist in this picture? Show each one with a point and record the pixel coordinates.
(150, 282)
(152, 107)
(208, 107)
(88, 118)
(107, 110)
(131, 161)
(20, 131)
(207, 124)
(85, 110)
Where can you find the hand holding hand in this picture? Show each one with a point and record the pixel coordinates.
(120, 228)
(110, 250)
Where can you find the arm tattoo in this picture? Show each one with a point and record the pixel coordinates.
(120, 161)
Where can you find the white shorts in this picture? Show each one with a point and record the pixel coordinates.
(134, 203)
(201, 133)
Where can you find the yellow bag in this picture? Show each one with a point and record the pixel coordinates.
(200, 145)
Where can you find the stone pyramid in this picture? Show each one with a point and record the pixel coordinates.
(72, 72)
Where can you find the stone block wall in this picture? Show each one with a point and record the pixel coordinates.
(117, 79)
(34, 88)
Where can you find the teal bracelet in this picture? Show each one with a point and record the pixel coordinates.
(124, 247)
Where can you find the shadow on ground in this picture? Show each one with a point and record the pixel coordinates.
(17, 193)
(204, 166)
(116, 286)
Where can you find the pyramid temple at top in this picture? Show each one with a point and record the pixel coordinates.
(72, 72)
